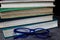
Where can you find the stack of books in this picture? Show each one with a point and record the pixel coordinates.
(26, 14)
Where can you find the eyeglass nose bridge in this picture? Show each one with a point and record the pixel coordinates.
(32, 30)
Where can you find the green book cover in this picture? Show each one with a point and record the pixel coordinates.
(13, 9)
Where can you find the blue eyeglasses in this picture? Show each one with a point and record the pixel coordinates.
(25, 32)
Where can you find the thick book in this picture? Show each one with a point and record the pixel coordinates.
(25, 21)
(22, 9)
(25, 5)
(9, 32)
(25, 13)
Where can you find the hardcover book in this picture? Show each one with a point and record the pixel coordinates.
(8, 32)
(24, 12)
(10, 1)
(25, 5)
(26, 21)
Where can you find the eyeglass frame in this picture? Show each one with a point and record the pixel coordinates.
(32, 31)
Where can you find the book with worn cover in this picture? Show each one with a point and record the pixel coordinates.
(24, 12)
(9, 32)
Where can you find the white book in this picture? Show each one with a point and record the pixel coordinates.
(26, 21)
(24, 5)
(9, 32)
(8, 1)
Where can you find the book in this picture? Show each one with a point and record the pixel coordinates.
(10, 1)
(22, 9)
(25, 5)
(8, 32)
(25, 13)
(26, 21)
